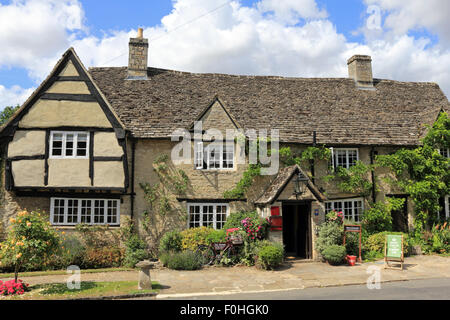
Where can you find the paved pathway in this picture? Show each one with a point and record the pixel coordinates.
(293, 275)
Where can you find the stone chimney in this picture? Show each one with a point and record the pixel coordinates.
(360, 70)
(138, 56)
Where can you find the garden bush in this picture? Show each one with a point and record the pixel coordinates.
(375, 242)
(270, 256)
(185, 260)
(256, 228)
(171, 241)
(330, 233)
(234, 219)
(334, 254)
(352, 243)
(194, 237)
(437, 240)
(72, 252)
(106, 257)
(216, 236)
(378, 217)
(135, 251)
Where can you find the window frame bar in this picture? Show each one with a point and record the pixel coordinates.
(201, 213)
(66, 202)
(64, 146)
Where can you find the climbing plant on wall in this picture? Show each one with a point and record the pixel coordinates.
(353, 180)
(423, 172)
(161, 216)
(287, 158)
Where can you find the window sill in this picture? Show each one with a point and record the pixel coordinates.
(71, 227)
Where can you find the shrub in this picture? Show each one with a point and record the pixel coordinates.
(13, 287)
(438, 240)
(270, 256)
(194, 237)
(375, 242)
(106, 257)
(234, 219)
(72, 252)
(330, 233)
(334, 254)
(186, 260)
(216, 236)
(98, 236)
(135, 251)
(171, 241)
(378, 218)
(2, 232)
(256, 228)
(352, 243)
(30, 240)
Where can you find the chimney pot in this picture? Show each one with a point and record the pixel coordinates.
(140, 34)
(360, 70)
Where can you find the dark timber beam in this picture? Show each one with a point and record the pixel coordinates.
(69, 97)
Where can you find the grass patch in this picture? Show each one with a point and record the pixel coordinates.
(88, 289)
(61, 272)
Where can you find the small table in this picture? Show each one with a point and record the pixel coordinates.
(145, 282)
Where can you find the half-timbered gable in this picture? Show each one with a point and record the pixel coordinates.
(66, 136)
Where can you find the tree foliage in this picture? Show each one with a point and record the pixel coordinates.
(31, 240)
(7, 113)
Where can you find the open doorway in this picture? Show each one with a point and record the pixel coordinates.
(400, 217)
(297, 230)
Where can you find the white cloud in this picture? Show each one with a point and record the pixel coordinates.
(13, 96)
(287, 38)
(33, 32)
(402, 16)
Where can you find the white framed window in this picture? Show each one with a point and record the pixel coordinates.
(71, 145)
(67, 211)
(351, 208)
(345, 158)
(445, 152)
(218, 156)
(211, 215)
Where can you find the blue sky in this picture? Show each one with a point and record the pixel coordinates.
(243, 36)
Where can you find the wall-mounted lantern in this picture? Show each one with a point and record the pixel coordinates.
(300, 185)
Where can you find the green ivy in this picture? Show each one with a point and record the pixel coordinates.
(353, 180)
(423, 172)
(287, 158)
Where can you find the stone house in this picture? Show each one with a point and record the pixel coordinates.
(87, 142)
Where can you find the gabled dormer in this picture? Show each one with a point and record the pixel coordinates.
(210, 151)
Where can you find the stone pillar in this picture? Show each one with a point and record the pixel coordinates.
(145, 281)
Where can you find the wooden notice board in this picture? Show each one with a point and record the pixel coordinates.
(393, 251)
(354, 228)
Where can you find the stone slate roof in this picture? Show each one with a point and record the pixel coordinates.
(278, 184)
(393, 114)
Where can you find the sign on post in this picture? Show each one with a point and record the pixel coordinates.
(393, 251)
(354, 228)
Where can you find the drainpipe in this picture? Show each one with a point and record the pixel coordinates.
(133, 159)
(311, 162)
(372, 156)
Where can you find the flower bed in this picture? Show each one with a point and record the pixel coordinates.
(13, 288)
